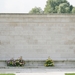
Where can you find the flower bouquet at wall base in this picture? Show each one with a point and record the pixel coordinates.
(20, 62)
(11, 62)
(17, 62)
(49, 62)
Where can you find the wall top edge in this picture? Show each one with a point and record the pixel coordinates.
(19, 15)
(36, 14)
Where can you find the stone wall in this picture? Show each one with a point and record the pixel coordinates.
(36, 37)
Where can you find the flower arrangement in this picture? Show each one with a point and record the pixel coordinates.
(49, 62)
(17, 62)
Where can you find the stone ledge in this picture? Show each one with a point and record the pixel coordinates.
(43, 60)
(40, 64)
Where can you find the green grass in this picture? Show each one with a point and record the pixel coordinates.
(7, 74)
(69, 73)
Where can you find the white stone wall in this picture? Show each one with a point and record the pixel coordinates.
(36, 37)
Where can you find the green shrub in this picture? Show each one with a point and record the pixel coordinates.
(69, 73)
(49, 62)
(17, 62)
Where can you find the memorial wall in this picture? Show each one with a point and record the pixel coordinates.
(36, 37)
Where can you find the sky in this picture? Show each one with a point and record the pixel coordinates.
(23, 6)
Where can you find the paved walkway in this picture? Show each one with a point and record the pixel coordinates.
(51, 73)
(37, 71)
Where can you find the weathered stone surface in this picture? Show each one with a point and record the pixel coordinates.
(36, 37)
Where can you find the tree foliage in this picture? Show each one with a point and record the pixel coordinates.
(71, 7)
(54, 6)
(73, 10)
(36, 10)
(64, 8)
(57, 6)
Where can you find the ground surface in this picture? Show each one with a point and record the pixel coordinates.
(38, 71)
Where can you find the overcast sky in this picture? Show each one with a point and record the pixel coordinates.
(23, 6)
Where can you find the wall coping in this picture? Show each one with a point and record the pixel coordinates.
(22, 15)
(37, 14)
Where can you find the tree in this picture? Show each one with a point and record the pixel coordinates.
(36, 10)
(64, 8)
(57, 6)
(71, 7)
(73, 10)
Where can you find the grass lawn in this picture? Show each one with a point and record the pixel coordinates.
(69, 73)
(7, 74)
